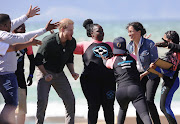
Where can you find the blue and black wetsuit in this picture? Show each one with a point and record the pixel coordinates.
(169, 86)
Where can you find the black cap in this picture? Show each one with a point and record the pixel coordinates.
(119, 46)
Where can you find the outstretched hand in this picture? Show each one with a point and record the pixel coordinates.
(32, 12)
(35, 42)
(145, 36)
(52, 26)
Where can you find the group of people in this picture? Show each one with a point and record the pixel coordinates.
(106, 65)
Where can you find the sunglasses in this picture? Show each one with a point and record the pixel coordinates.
(164, 40)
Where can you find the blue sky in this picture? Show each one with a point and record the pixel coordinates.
(96, 9)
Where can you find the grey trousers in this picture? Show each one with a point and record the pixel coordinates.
(61, 85)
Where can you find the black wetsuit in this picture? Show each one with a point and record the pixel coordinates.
(98, 83)
(128, 80)
(20, 67)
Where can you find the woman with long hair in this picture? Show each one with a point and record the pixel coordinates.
(170, 76)
(146, 53)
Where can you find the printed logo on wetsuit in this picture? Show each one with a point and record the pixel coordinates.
(110, 94)
(100, 50)
(125, 64)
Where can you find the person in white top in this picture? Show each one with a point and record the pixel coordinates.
(4, 47)
(8, 62)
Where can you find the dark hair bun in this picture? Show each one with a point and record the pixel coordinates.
(87, 22)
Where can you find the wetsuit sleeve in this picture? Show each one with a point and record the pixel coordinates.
(31, 60)
(29, 50)
(165, 72)
(81, 47)
(3, 48)
(174, 47)
(32, 64)
(132, 55)
(110, 44)
(110, 62)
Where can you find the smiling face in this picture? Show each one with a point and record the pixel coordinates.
(133, 34)
(66, 28)
(97, 33)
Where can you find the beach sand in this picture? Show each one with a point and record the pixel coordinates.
(81, 120)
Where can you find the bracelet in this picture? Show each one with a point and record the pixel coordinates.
(31, 75)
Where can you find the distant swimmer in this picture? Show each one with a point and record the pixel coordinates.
(8, 63)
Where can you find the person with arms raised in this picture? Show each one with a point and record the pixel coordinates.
(8, 63)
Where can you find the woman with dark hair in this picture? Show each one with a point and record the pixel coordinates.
(97, 82)
(146, 53)
(170, 77)
(128, 81)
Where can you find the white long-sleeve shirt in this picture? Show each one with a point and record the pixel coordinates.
(8, 62)
(3, 48)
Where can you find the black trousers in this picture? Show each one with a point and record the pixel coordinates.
(149, 88)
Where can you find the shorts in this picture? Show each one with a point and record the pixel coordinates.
(22, 107)
(9, 88)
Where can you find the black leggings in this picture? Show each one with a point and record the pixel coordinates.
(99, 90)
(168, 88)
(132, 93)
(149, 88)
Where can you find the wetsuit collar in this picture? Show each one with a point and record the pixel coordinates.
(96, 41)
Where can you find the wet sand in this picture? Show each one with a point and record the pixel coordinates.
(81, 120)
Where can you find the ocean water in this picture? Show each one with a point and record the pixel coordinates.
(112, 30)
